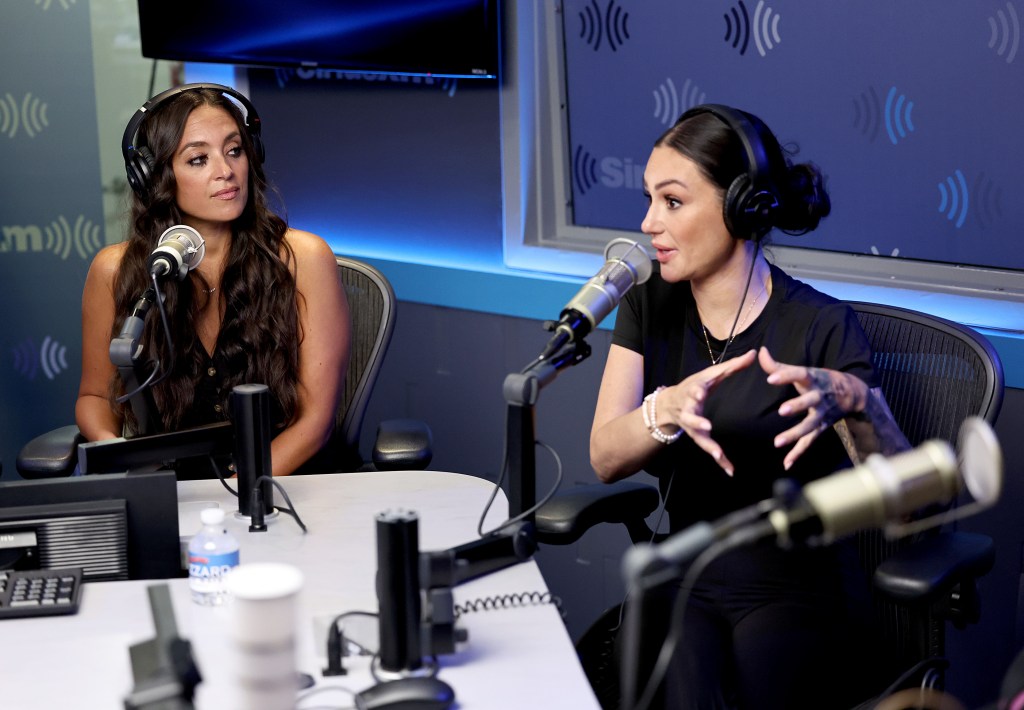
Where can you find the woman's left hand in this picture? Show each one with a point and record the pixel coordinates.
(825, 395)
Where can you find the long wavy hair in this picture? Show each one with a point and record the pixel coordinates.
(260, 333)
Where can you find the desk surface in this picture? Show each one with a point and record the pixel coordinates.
(515, 657)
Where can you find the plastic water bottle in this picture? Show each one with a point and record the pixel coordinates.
(211, 555)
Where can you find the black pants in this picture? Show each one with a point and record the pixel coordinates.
(764, 629)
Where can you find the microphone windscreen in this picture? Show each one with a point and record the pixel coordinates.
(193, 243)
(632, 254)
(980, 460)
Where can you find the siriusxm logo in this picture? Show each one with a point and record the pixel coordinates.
(59, 237)
(610, 172)
(285, 76)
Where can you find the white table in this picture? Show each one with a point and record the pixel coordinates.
(514, 658)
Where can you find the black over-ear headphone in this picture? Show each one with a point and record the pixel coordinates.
(139, 163)
(752, 198)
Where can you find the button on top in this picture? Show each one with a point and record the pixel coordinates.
(211, 371)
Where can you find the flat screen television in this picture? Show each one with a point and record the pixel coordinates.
(122, 526)
(447, 38)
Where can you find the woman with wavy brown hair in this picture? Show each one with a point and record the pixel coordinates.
(264, 304)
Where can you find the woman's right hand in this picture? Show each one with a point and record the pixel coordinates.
(682, 405)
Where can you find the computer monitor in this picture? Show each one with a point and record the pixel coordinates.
(121, 526)
(168, 451)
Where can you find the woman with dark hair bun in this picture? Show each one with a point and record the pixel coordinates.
(724, 375)
(264, 305)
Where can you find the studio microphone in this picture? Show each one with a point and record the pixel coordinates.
(178, 250)
(626, 265)
(878, 494)
(882, 492)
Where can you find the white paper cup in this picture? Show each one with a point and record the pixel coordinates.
(262, 628)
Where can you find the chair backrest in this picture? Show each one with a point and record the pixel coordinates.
(372, 307)
(934, 373)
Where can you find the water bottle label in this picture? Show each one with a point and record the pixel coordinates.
(206, 572)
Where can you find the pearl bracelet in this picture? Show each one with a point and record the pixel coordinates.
(651, 419)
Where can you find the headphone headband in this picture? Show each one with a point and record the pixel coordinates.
(752, 198)
(138, 160)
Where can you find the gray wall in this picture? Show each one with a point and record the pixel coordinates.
(50, 210)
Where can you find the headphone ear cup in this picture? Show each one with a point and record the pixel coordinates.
(737, 220)
(139, 167)
(748, 213)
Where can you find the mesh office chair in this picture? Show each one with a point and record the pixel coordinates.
(934, 374)
(400, 443)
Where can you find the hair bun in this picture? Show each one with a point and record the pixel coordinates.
(805, 201)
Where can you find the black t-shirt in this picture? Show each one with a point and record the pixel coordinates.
(799, 326)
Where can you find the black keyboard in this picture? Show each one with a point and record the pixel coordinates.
(39, 592)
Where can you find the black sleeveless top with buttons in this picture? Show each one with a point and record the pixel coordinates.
(211, 404)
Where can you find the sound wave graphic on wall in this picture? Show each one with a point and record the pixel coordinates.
(51, 357)
(28, 114)
(763, 28)
(869, 115)
(670, 103)
(898, 122)
(953, 198)
(59, 237)
(584, 169)
(45, 4)
(1004, 33)
(876, 252)
(983, 201)
(609, 26)
(987, 198)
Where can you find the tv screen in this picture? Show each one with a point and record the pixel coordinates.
(457, 38)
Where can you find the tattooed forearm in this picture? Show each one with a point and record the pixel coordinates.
(874, 430)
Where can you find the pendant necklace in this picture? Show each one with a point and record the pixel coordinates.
(732, 335)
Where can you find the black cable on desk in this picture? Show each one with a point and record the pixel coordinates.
(288, 511)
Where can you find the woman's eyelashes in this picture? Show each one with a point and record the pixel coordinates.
(198, 161)
(670, 201)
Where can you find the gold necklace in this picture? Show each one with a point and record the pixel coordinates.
(732, 335)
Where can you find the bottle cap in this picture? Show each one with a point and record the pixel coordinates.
(211, 516)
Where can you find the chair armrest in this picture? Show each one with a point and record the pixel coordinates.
(935, 565)
(50, 455)
(402, 445)
(564, 518)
